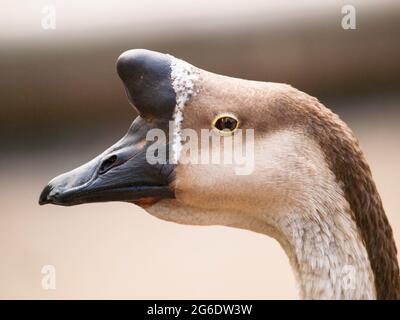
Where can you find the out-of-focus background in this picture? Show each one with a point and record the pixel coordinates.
(62, 103)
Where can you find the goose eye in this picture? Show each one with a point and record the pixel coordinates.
(226, 123)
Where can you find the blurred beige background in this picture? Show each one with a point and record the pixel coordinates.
(62, 103)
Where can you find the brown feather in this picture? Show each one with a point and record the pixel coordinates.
(348, 163)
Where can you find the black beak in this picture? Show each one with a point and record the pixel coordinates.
(123, 172)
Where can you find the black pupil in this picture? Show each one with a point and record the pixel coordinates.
(226, 123)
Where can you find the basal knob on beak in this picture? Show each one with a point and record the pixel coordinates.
(147, 79)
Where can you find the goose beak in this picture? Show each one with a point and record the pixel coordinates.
(121, 173)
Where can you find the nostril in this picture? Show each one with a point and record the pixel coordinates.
(107, 164)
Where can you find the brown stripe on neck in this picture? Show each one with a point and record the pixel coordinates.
(347, 161)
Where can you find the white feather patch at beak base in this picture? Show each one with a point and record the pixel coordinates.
(183, 77)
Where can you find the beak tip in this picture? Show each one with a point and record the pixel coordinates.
(42, 203)
(44, 195)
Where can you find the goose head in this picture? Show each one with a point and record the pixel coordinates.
(299, 177)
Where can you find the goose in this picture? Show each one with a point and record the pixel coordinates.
(311, 188)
